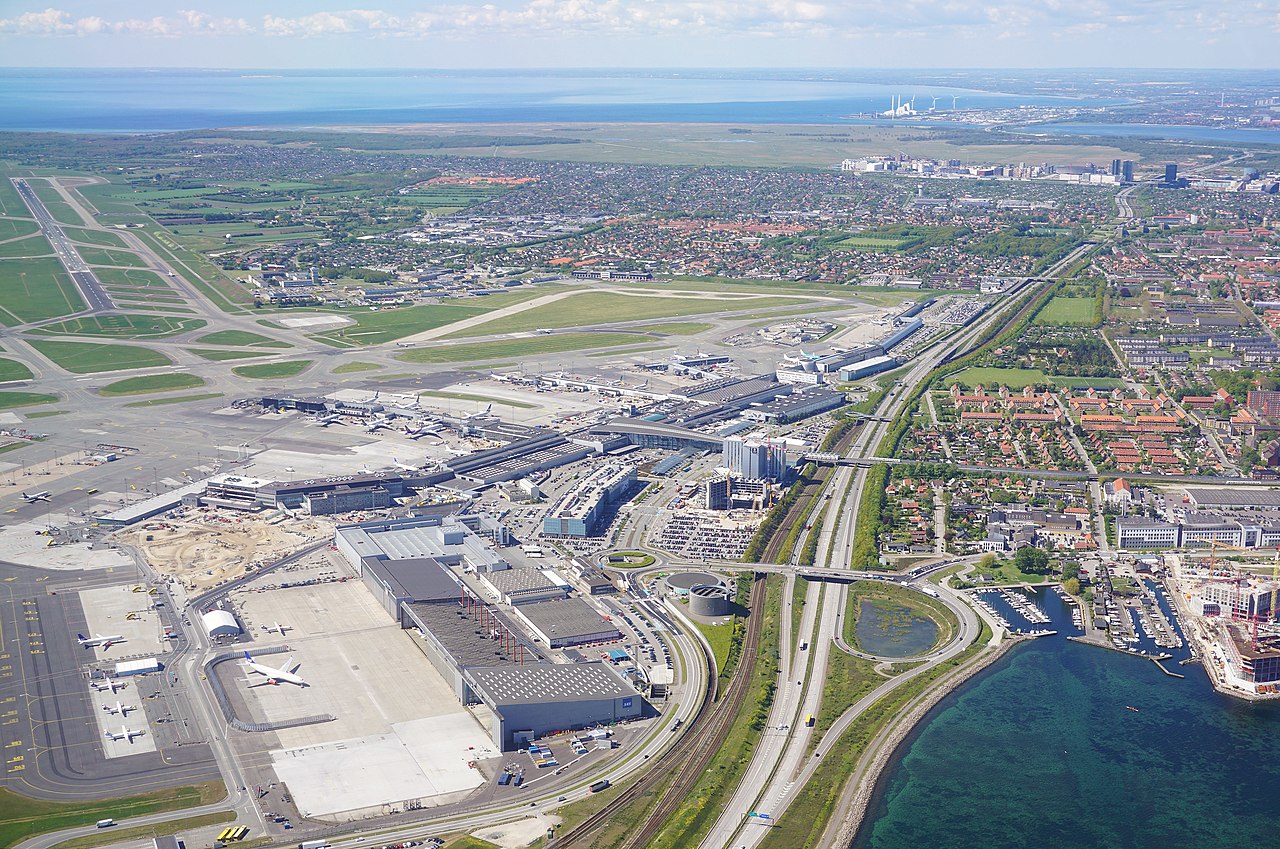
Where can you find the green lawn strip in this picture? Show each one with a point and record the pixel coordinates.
(355, 366)
(10, 400)
(531, 346)
(145, 832)
(95, 357)
(43, 414)
(139, 277)
(241, 337)
(149, 383)
(218, 356)
(124, 326)
(36, 289)
(22, 817)
(145, 307)
(101, 238)
(483, 399)
(1067, 311)
(372, 328)
(13, 370)
(466, 841)
(674, 328)
(222, 291)
(181, 399)
(802, 825)
(619, 352)
(1003, 572)
(272, 371)
(106, 256)
(798, 594)
(13, 228)
(720, 638)
(36, 245)
(588, 308)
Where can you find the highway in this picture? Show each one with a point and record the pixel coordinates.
(86, 281)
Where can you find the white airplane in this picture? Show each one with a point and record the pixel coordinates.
(285, 673)
(99, 640)
(277, 628)
(479, 415)
(377, 424)
(109, 685)
(121, 709)
(325, 421)
(420, 431)
(543, 331)
(43, 495)
(125, 733)
(405, 466)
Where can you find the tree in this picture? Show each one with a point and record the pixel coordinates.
(1072, 586)
(1032, 560)
(988, 562)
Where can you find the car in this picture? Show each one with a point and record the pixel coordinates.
(562, 798)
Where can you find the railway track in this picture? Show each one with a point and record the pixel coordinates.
(689, 758)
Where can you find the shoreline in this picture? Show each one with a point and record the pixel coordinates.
(857, 796)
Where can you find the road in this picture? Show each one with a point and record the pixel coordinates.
(86, 281)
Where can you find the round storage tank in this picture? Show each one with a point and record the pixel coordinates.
(709, 600)
(220, 623)
(681, 583)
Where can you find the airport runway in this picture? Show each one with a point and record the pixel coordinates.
(49, 733)
(90, 288)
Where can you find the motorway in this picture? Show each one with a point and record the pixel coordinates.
(86, 281)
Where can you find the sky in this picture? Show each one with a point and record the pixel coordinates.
(640, 33)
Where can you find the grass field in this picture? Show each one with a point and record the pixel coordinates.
(482, 399)
(1017, 378)
(36, 245)
(13, 228)
(124, 326)
(372, 328)
(675, 328)
(151, 383)
(133, 278)
(218, 355)
(1067, 311)
(94, 237)
(870, 243)
(272, 371)
(532, 346)
(11, 400)
(13, 370)
(181, 399)
(96, 357)
(148, 832)
(35, 289)
(21, 817)
(589, 308)
(353, 367)
(105, 256)
(241, 337)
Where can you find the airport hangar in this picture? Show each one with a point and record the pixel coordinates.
(412, 567)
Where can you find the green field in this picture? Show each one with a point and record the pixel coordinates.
(22, 817)
(10, 400)
(353, 367)
(589, 308)
(12, 229)
(102, 238)
(151, 383)
(272, 371)
(36, 245)
(1067, 311)
(96, 357)
(133, 277)
(36, 289)
(241, 337)
(181, 399)
(1017, 378)
(105, 256)
(13, 370)
(218, 355)
(516, 348)
(372, 328)
(124, 326)
(871, 243)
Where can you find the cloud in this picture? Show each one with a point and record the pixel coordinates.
(186, 22)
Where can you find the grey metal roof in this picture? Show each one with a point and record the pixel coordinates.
(570, 682)
(565, 618)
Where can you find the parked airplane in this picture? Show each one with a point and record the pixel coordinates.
(325, 421)
(420, 431)
(404, 466)
(99, 641)
(479, 415)
(125, 733)
(121, 709)
(377, 424)
(43, 495)
(285, 673)
(277, 628)
(109, 685)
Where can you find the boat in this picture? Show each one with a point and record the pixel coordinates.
(1132, 708)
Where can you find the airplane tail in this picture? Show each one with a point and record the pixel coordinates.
(81, 637)
(246, 657)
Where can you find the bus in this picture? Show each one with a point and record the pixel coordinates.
(233, 833)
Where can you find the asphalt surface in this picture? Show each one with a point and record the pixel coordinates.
(90, 287)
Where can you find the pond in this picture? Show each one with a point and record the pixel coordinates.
(888, 629)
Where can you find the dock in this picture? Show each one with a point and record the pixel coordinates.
(1157, 662)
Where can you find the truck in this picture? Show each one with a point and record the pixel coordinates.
(600, 785)
(808, 722)
(804, 644)
(314, 844)
(106, 823)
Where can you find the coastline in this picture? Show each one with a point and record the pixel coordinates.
(861, 788)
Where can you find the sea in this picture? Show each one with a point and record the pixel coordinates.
(162, 100)
(1060, 745)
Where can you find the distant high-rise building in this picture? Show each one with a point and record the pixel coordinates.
(1126, 171)
(755, 460)
(1115, 168)
(1171, 173)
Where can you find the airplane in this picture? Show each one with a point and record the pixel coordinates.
(377, 424)
(125, 733)
(325, 421)
(543, 331)
(121, 709)
(277, 628)
(109, 685)
(285, 673)
(420, 431)
(99, 640)
(479, 415)
(404, 466)
(43, 495)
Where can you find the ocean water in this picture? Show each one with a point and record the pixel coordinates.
(165, 99)
(1248, 135)
(1041, 750)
